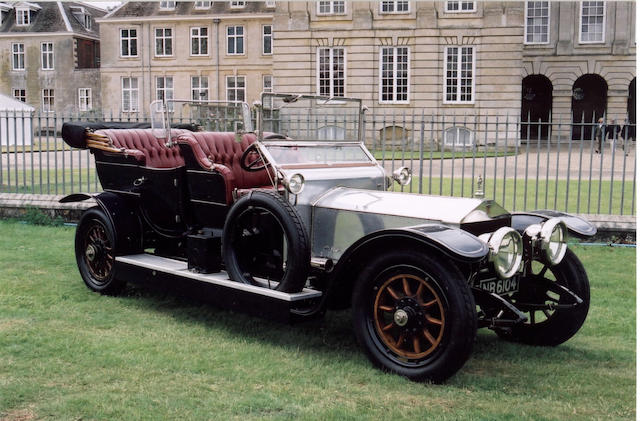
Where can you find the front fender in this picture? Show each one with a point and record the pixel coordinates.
(122, 211)
(453, 242)
(579, 227)
(440, 239)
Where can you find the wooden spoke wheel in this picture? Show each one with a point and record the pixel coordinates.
(414, 315)
(96, 251)
(409, 316)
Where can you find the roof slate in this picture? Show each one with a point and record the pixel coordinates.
(186, 8)
(49, 19)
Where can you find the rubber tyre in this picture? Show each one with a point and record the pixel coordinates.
(92, 221)
(458, 308)
(298, 250)
(563, 324)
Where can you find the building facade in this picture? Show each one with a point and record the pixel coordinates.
(538, 61)
(50, 55)
(579, 62)
(201, 50)
(531, 60)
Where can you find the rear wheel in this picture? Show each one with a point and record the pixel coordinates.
(414, 315)
(551, 327)
(95, 252)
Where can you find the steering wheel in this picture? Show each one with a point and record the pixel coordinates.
(275, 136)
(251, 159)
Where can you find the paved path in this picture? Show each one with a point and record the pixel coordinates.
(574, 164)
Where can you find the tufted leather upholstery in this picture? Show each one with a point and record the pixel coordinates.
(143, 145)
(219, 151)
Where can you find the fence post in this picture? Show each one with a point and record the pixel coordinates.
(421, 148)
(625, 145)
(526, 164)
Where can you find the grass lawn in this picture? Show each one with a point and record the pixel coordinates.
(516, 195)
(69, 354)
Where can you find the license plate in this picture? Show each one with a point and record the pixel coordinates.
(500, 286)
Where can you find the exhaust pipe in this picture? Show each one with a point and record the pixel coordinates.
(325, 265)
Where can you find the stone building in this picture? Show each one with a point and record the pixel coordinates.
(185, 50)
(50, 55)
(579, 59)
(510, 60)
(460, 58)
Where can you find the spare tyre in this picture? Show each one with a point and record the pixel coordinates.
(264, 243)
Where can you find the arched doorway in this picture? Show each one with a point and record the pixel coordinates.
(537, 98)
(588, 99)
(631, 109)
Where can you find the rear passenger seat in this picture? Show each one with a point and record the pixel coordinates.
(217, 151)
(144, 146)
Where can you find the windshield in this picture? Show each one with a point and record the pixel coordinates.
(303, 117)
(316, 155)
(214, 116)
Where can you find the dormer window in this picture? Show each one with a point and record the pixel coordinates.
(82, 16)
(238, 4)
(203, 5)
(167, 5)
(5, 9)
(23, 17)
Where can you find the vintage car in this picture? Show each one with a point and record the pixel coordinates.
(297, 217)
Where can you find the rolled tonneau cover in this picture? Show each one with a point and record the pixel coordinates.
(73, 132)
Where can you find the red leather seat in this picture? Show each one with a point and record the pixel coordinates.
(143, 145)
(221, 152)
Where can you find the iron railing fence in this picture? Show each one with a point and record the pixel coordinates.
(523, 165)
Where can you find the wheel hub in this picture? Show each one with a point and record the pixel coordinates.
(401, 317)
(91, 253)
(408, 313)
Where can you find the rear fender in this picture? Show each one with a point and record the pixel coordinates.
(577, 226)
(122, 211)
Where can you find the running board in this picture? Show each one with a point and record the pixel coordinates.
(215, 287)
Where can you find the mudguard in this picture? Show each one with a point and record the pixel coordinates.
(453, 242)
(123, 213)
(577, 226)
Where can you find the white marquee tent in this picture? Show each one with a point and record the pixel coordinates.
(16, 122)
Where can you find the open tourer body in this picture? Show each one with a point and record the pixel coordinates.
(297, 217)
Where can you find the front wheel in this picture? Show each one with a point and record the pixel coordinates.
(414, 315)
(95, 252)
(551, 327)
